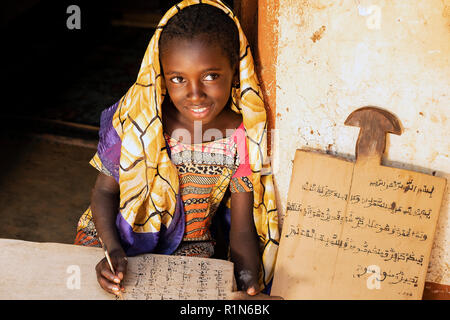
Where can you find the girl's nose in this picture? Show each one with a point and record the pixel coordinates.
(195, 91)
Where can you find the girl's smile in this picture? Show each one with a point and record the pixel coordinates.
(198, 78)
(200, 112)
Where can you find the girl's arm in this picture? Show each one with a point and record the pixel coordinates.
(105, 205)
(244, 246)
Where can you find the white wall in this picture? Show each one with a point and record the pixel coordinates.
(337, 56)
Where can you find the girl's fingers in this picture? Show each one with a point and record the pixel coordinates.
(110, 276)
(109, 286)
(107, 280)
(121, 267)
(253, 290)
(106, 272)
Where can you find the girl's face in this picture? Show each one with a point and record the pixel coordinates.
(198, 78)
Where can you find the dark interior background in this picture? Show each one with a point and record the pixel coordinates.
(57, 73)
(56, 82)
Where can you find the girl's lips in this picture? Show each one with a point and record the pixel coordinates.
(199, 111)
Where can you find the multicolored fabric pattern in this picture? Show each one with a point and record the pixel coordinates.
(205, 171)
(151, 213)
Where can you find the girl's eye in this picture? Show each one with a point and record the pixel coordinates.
(177, 79)
(211, 76)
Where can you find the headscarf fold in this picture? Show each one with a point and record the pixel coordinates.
(151, 218)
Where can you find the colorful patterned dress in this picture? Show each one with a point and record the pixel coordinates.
(206, 172)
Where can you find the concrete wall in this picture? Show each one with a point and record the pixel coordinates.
(336, 56)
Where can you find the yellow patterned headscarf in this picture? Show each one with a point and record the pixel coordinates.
(149, 181)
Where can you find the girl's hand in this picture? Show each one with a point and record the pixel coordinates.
(109, 281)
(248, 282)
(253, 290)
(242, 295)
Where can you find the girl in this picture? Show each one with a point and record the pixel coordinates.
(181, 155)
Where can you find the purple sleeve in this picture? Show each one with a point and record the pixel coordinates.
(109, 143)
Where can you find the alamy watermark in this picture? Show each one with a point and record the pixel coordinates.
(373, 14)
(73, 281)
(257, 145)
(74, 19)
(373, 281)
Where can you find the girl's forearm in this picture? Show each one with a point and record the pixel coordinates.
(104, 206)
(244, 243)
(244, 251)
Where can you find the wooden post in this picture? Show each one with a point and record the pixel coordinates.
(259, 20)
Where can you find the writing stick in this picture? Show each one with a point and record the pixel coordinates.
(108, 258)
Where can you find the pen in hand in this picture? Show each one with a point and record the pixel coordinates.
(108, 258)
